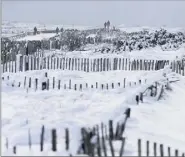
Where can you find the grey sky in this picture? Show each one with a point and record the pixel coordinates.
(95, 13)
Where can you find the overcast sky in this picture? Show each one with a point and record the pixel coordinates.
(95, 13)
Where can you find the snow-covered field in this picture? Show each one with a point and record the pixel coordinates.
(160, 121)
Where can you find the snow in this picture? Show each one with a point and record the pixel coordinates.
(160, 121)
(37, 37)
(153, 53)
(153, 120)
(24, 109)
(16, 28)
(127, 29)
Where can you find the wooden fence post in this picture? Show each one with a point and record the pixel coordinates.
(147, 148)
(69, 67)
(112, 85)
(72, 64)
(122, 147)
(29, 139)
(35, 63)
(108, 64)
(107, 86)
(111, 133)
(80, 87)
(155, 149)
(14, 150)
(67, 138)
(7, 143)
(106, 134)
(117, 131)
(36, 84)
(48, 62)
(60, 63)
(127, 112)
(139, 147)
(169, 152)
(176, 153)
(124, 82)
(63, 61)
(98, 65)
(69, 84)
(58, 84)
(161, 150)
(42, 139)
(51, 62)
(102, 86)
(54, 62)
(54, 139)
(30, 82)
(24, 81)
(81, 64)
(47, 84)
(104, 64)
(78, 64)
(53, 82)
(111, 148)
(85, 64)
(57, 63)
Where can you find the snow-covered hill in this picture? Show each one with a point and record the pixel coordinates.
(73, 109)
(157, 120)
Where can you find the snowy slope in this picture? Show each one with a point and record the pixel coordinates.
(157, 121)
(72, 109)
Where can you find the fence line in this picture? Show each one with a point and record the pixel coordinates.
(37, 62)
(105, 135)
(154, 151)
(102, 132)
(52, 83)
